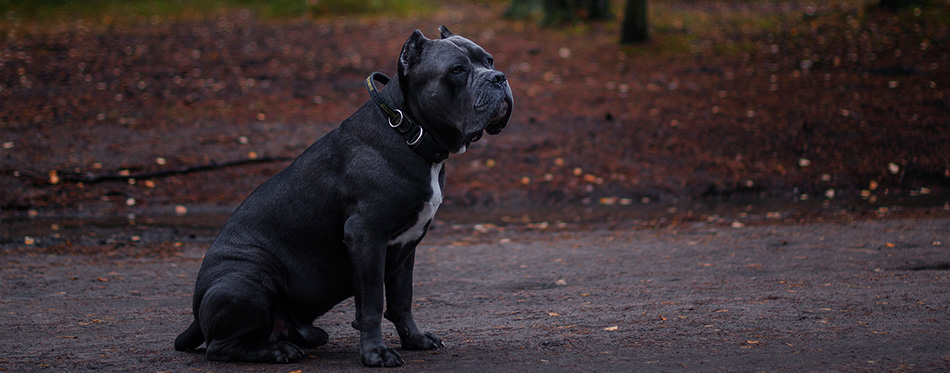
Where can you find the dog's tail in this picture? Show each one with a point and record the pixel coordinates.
(190, 339)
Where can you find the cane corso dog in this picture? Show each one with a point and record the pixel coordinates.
(344, 218)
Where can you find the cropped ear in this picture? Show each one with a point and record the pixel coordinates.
(445, 32)
(411, 51)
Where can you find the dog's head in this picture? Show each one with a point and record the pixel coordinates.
(453, 89)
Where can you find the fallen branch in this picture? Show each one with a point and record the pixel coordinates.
(87, 178)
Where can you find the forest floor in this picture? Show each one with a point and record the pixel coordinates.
(781, 99)
(762, 186)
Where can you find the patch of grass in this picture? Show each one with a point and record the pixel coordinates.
(343, 7)
(99, 10)
(108, 11)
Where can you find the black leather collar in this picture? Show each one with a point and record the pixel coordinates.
(418, 139)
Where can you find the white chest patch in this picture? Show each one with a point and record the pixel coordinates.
(428, 211)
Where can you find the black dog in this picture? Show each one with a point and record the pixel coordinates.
(345, 217)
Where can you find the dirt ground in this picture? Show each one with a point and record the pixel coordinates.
(865, 295)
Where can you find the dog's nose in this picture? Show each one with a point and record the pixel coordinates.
(497, 77)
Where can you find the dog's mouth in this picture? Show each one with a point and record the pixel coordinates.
(500, 115)
(495, 124)
(500, 120)
(474, 136)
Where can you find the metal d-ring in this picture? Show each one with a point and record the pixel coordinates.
(417, 139)
(401, 116)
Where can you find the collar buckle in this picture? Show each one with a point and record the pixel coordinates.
(398, 122)
(420, 142)
(417, 139)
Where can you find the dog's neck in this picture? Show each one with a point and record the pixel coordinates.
(443, 138)
(399, 112)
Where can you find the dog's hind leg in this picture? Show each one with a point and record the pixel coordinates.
(238, 327)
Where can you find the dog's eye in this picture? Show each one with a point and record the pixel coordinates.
(491, 62)
(457, 70)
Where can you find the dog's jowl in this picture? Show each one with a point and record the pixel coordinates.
(343, 220)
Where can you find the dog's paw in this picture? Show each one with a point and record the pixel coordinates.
(382, 356)
(265, 352)
(312, 336)
(285, 352)
(422, 341)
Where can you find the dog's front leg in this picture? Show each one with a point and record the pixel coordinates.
(368, 258)
(399, 309)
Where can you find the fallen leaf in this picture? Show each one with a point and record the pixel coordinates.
(830, 193)
(608, 201)
(611, 328)
(53, 177)
(893, 168)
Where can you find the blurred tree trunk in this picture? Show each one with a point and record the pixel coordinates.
(599, 10)
(523, 8)
(555, 12)
(634, 28)
(892, 4)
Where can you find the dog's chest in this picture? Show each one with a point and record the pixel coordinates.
(428, 211)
